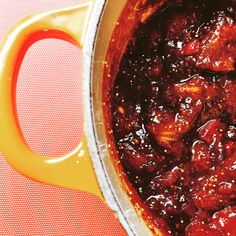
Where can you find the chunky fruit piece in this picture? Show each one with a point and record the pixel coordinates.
(225, 221)
(190, 48)
(199, 228)
(154, 67)
(201, 159)
(230, 99)
(169, 178)
(230, 148)
(231, 133)
(194, 88)
(176, 24)
(218, 50)
(221, 223)
(139, 155)
(219, 184)
(126, 119)
(211, 131)
(213, 46)
(168, 127)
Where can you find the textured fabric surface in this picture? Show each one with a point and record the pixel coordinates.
(49, 105)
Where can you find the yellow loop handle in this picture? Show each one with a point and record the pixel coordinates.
(75, 169)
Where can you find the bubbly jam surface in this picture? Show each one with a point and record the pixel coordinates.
(174, 117)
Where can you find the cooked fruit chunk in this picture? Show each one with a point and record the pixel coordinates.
(139, 155)
(230, 99)
(211, 131)
(218, 50)
(167, 127)
(231, 133)
(201, 158)
(225, 221)
(199, 228)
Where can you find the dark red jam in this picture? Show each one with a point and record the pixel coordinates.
(174, 116)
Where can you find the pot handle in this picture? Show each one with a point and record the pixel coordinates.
(74, 170)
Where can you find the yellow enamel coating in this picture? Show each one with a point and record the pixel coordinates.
(74, 170)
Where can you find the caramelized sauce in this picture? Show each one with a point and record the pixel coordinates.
(174, 117)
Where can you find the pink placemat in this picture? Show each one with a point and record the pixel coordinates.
(49, 105)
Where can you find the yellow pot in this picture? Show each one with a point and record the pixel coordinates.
(102, 29)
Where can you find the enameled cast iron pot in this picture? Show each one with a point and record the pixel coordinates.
(102, 29)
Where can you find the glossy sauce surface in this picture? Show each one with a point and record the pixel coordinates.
(174, 117)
